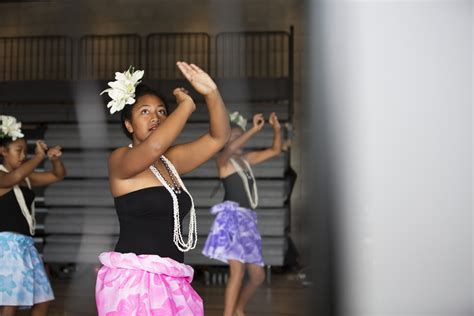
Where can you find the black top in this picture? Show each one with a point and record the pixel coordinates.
(146, 222)
(235, 190)
(12, 219)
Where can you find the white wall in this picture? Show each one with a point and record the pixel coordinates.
(399, 98)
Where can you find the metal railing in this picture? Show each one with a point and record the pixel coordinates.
(164, 49)
(253, 55)
(36, 58)
(100, 56)
(236, 55)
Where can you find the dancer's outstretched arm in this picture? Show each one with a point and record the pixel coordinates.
(259, 156)
(57, 174)
(187, 157)
(239, 142)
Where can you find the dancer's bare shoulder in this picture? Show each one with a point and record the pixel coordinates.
(116, 156)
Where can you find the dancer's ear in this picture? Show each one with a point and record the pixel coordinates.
(3, 150)
(129, 126)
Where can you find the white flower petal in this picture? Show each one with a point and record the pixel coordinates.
(120, 76)
(117, 94)
(119, 105)
(16, 134)
(122, 90)
(106, 90)
(130, 100)
(137, 75)
(118, 85)
(10, 127)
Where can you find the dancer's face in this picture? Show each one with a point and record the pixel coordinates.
(234, 134)
(147, 114)
(14, 154)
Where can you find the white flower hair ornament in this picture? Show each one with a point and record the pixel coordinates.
(122, 90)
(238, 119)
(10, 127)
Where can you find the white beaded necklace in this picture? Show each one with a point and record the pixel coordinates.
(253, 200)
(177, 235)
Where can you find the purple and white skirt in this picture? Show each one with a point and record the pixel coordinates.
(145, 285)
(234, 235)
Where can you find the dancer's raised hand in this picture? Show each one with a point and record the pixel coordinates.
(41, 148)
(198, 78)
(54, 153)
(273, 121)
(258, 122)
(182, 95)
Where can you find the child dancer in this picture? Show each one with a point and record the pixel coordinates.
(234, 237)
(145, 274)
(23, 280)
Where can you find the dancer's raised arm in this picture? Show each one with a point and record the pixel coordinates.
(258, 156)
(189, 156)
(17, 175)
(56, 174)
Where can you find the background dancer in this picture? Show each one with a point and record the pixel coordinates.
(234, 237)
(145, 275)
(23, 280)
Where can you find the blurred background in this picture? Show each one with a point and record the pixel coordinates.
(370, 211)
(393, 90)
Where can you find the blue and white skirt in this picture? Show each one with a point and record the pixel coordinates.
(23, 280)
(234, 235)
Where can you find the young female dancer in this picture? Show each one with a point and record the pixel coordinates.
(23, 280)
(234, 237)
(145, 274)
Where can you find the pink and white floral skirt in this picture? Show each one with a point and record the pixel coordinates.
(145, 285)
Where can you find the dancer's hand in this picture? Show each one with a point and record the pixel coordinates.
(182, 96)
(258, 122)
(289, 136)
(273, 121)
(286, 145)
(198, 78)
(41, 148)
(54, 153)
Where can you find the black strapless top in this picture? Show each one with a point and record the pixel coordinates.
(12, 219)
(235, 190)
(146, 222)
